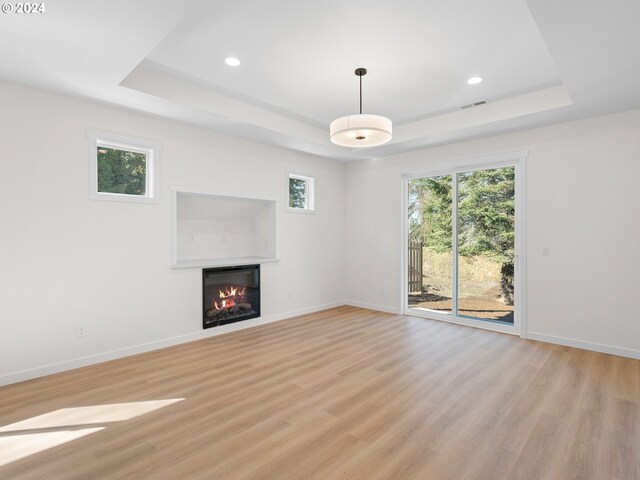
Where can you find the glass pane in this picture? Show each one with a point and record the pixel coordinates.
(486, 233)
(430, 249)
(121, 171)
(297, 193)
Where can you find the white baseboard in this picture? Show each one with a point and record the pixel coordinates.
(65, 365)
(373, 306)
(596, 347)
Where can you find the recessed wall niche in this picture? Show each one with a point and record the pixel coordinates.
(215, 230)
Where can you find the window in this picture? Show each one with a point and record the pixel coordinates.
(122, 168)
(301, 193)
(464, 241)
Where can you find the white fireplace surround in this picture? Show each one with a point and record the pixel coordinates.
(212, 230)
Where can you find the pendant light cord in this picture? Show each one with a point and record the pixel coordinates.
(360, 72)
(360, 94)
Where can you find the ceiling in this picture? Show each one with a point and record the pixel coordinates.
(542, 62)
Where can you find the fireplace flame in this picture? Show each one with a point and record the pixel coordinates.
(228, 297)
(230, 292)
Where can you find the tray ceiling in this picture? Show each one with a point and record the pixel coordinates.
(542, 62)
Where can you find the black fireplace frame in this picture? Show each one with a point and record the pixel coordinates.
(234, 268)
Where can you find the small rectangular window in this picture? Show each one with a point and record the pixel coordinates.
(121, 171)
(301, 193)
(122, 168)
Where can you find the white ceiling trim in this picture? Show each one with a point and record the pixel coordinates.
(518, 106)
(163, 84)
(174, 88)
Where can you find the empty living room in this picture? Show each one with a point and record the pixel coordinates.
(287, 240)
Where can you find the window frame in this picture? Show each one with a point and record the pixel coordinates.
(517, 159)
(99, 138)
(309, 193)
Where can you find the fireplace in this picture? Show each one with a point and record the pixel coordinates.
(230, 294)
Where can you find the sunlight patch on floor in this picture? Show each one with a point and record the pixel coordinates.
(21, 439)
(65, 417)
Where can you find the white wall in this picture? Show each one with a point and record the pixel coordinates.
(67, 261)
(583, 198)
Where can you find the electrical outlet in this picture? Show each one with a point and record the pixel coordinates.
(290, 295)
(80, 332)
(546, 252)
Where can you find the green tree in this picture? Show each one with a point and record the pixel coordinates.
(297, 194)
(486, 217)
(486, 220)
(121, 171)
(430, 212)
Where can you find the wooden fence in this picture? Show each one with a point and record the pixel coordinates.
(415, 267)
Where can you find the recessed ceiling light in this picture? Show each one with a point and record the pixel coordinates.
(474, 80)
(232, 61)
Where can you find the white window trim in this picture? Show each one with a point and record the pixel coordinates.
(518, 160)
(124, 142)
(309, 191)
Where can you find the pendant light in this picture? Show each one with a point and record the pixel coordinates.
(360, 130)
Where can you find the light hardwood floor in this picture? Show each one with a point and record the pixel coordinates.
(343, 394)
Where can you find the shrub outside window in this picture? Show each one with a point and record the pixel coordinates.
(301, 193)
(122, 168)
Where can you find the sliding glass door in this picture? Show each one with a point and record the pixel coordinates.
(430, 232)
(462, 246)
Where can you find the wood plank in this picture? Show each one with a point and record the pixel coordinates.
(347, 393)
